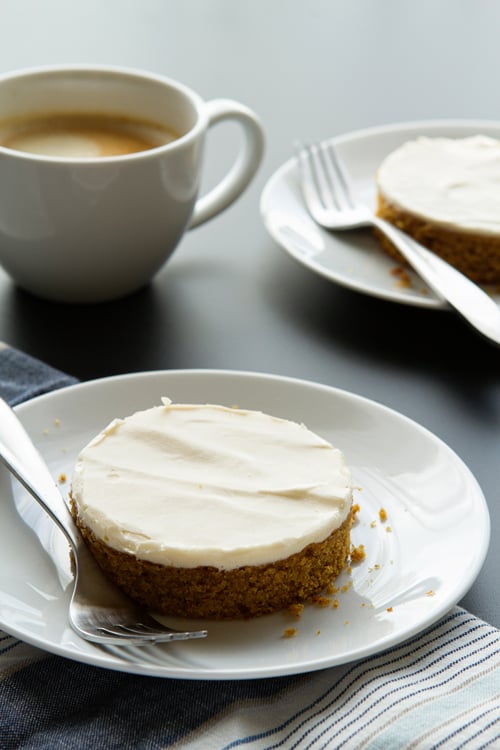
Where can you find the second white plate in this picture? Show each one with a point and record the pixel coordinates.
(354, 259)
(418, 564)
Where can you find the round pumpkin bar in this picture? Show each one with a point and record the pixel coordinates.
(215, 512)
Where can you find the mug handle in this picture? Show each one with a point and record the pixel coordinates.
(244, 168)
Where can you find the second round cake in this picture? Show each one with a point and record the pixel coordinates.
(445, 193)
(215, 512)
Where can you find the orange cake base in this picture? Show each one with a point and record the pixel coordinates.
(215, 594)
(475, 255)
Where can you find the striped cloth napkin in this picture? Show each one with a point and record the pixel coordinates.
(441, 689)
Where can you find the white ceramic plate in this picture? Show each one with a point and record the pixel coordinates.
(354, 259)
(418, 564)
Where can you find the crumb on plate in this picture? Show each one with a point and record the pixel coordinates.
(321, 601)
(358, 553)
(296, 609)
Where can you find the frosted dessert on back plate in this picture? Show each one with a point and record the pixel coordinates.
(215, 512)
(445, 193)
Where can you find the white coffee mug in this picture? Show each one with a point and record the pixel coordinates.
(76, 229)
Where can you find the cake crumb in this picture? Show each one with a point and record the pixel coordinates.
(318, 632)
(290, 633)
(332, 589)
(388, 529)
(62, 477)
(335, 604)
(389, 609)
(382, 514)
(355, 509)
(296, 609)
(321, 601)
(57, 422)
(402, 276)
(358, 553)
(430, 593)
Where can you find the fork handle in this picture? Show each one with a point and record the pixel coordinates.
(21, 457)
(466, 297)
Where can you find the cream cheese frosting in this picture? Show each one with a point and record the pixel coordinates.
(190, 485)
(454, 182)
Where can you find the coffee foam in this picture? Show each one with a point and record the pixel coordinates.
(82, 135)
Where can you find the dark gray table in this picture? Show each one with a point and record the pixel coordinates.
(230, 298)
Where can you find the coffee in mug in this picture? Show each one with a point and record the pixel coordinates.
(82, 135)
(79, 223)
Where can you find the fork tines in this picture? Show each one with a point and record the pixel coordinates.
(321, 166)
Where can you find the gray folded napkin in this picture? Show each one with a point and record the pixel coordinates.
(441, 689)
(23, 377)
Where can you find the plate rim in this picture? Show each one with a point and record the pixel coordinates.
(106, 660)
(429, 302)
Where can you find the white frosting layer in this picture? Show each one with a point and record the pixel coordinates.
(454, 182)
(191, 485)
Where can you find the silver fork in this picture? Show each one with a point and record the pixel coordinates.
(98, 611)
(326, 191)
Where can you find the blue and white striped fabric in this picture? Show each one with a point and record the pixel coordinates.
(439, 690)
